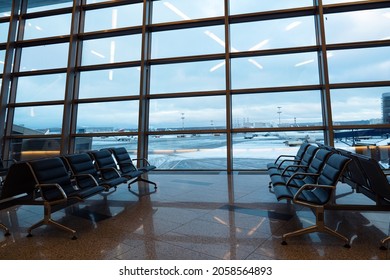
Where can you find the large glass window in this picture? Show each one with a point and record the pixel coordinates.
(178, 10)
(373, 65)
(255, 149)
(278, 109)
(47, 26)
(111, 50)
(188, 113)
(358, 26)
(41, 88)
(183, 42)
(2, 60)
(273, 71)
(112, 82)
(188, 77)
(107, 116)
(251, 6)
(37, 120)
(360, 106)
(44, 57)
(112, 18)
(272, 34)
(183, 151)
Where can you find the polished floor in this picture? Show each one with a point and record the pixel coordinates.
(200, 216)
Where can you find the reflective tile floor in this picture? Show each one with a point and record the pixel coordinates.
(201, 216)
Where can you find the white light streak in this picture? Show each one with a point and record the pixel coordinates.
(304, 62)
(97, 54)
(219, 65)
(114, 19)
(259, 45)
(176, 11)
(255, 63)
(293, 25)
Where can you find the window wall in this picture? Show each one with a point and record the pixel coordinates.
(194, 85)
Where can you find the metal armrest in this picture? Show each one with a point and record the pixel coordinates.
(61, 192)
(142, 159)
(293, 166)
(110, 169)
(282, 156)
(287, 160)
(303, 174)
(87, 175)
(310, 186)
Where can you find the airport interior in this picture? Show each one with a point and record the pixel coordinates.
(194, 130)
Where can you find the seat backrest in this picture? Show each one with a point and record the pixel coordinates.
(308, 155)
(376, 179)
(105, 163)
(52, 171)
(123, 159)
(82, 164)
(19, 180)
(318, 161)
(301, 151)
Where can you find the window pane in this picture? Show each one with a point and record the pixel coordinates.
(41, 88)
(4, 32)
(370, 142)
(279, 70)
(325, 2)
(37, 6)
(373, 65)
(36, 120)
(193, 41)
(5, 8)
(360, 106)
(96, 143)
(30, 149)
(44, 57)
(2, 58)
(47, 26)
(113, 82)
(188, 113)
(358, 26)
(178, 10)
(107, 116)
(200, 151)
(188, 77)
(112, 18)
(110, 50)
(255, 150)
(251, 6)
(272, 34)
(278, 109)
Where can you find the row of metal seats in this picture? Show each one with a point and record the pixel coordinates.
(309, 179)
(58, 182)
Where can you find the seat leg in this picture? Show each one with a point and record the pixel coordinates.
(144, 193)
(48, 221)
(6, 230)
(318, 227)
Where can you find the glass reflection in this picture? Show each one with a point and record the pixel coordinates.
(114, 17)
(111, 50)
(47, 26)
(278, 70)
(188, 77)
(178, 10)
(37, 6)
(113, 82)
(194, 41)
(251, 6)
(44, 57)
(278, 109)
(41, 88)
(183, 151)
(352, 26)
(188, 113)
(360, 106)
(255, 149)
(4, 31)
(35, 120)
(373, 65)
(107, 116)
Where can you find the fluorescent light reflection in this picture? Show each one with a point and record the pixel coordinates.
(97, 54)
(216, 67)
(176, 11)
(259, 45)
(293, 25)
(304, 62)
(255, 63)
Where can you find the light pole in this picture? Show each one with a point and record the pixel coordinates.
(279, 112)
